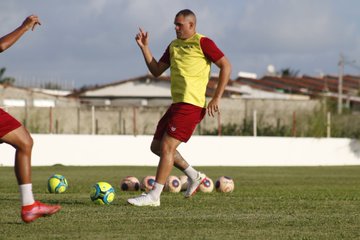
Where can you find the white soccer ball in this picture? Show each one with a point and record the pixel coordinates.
(224, 184)
(172, 184)
(207, 186)
(183, 182)
(147, 183)
(130, 183)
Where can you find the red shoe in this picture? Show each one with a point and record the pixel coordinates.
(32, 212)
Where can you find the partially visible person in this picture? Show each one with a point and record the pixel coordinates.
(13, 133)
(189, 58)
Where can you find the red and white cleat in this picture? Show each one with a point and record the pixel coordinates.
(32, 212)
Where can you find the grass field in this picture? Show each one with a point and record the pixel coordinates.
(268, 203)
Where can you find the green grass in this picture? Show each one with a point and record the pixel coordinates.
(268, 203)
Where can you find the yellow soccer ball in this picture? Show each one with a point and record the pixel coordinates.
(57, 184)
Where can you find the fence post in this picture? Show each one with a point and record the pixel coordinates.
(119, 122)
(57, 126)
(294, 125)
(219, 124)
(134, 122)
(93, 124)
(328, 125)
(50, 120)
(254, 123)
(78, 120)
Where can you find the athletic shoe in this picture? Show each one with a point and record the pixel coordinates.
(194, 184)
(32, 212)
(144, 200)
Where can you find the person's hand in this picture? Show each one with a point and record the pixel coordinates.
(142, 38)
(213, 107)
(31, 22)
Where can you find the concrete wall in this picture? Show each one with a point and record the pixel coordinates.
(142, 120)
(92, 150)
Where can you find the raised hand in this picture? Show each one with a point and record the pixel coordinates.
(142, 38)
(31, 22)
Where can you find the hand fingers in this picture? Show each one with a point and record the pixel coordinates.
(32, 21)
(212, 110)
(142, 32)
(33, 27)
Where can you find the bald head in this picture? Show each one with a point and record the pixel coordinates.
(185, 24)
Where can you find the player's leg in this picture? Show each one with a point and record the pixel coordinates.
(167, 157)
(185, 117)
(167, 151)
(179, 162)
(21, 140)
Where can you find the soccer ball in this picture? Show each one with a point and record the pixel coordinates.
(57, 184)
(147, 183)
(130, 183)
(102, 193)
(183, 182)
(207, 186)
(172, 184)
(224, 184)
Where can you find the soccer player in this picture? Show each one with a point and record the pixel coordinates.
(189, 58)
(13, 133)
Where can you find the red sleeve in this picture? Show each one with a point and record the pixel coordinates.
(166, 56)
(210, 50)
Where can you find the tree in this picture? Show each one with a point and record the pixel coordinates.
(288, 72)
(6, 80)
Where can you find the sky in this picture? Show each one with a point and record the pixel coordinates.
(92, 42)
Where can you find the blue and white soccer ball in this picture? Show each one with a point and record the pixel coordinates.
(102, 193)
(57, 183)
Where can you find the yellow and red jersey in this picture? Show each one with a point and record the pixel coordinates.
(190, 63)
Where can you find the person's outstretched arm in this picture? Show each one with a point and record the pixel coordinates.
(9, 39)
(156, 68)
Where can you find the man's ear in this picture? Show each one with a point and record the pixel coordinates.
(192, 25)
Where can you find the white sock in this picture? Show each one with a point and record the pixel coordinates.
(26, 194)
(156, 191)
(191, 172)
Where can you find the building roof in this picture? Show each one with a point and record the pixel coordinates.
(145, 86)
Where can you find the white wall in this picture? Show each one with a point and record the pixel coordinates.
(84, 150)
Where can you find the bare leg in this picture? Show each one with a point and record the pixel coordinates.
(167, 153)
(21, 140)
(179, 162)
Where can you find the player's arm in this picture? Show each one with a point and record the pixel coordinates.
(224, 76)
(9, 39)
(213, 53)
(155, 67)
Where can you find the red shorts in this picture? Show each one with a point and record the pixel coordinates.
(7, 123)
(179, 121)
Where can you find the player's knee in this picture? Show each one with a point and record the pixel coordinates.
(26, 143)
(167, 148)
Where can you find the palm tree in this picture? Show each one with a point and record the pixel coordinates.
(288, 72)
(5, 80)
